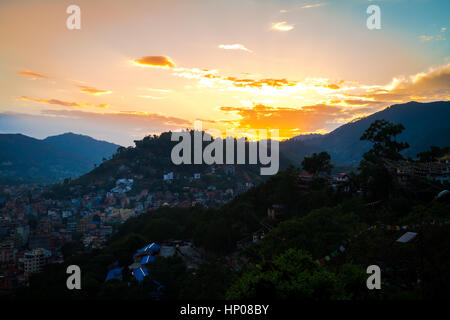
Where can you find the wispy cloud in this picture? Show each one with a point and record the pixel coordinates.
(150, 97)
(236, 46)
(253, 83)
(156, 90)
(162, 92)
(438, 37)
(424, 38)
(316, 5)
(430, 85)
(282, 26)
(33, 75)
(133, 120)
(63, 103)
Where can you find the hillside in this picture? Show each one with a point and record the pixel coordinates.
(68, 155)
(425, 125)
(150, 160)
(313, 222)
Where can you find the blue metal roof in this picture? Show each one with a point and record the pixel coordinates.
(151, 248)
(147, 259)
(115, 273)
(140, 274)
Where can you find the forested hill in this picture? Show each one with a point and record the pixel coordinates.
(150, 159)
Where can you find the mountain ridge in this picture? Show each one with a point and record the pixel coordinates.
(53, 158)
(423, 128)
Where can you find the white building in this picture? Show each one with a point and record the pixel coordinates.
(34, 261)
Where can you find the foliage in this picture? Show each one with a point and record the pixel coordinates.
(376, 180)
(433, 154)
(318, 163)
(382, 134)
(291, 275)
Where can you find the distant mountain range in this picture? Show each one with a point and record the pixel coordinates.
(306, 137)
(56, 157)
(426, 124)
(72, 155)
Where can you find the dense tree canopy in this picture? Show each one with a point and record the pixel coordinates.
(433, 154)
(318, 163)
(382, 134)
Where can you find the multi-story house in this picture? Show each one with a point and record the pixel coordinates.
(34, 261)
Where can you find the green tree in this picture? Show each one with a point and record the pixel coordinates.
(376, 180)
(433, 154)
(291, 275)
(382, 134)
(318, 163)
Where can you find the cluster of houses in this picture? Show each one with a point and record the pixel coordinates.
(404, 171)
(194, 191)
(34, 228)
(339, 181)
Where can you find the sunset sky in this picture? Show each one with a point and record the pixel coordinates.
(143, 66)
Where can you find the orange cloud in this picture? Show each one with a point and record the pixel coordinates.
(63, 103)
(155, 62)
(214, 78)
(334, 101)
(93, 91)
(332, 86)
(275, 83)
(31, 74)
